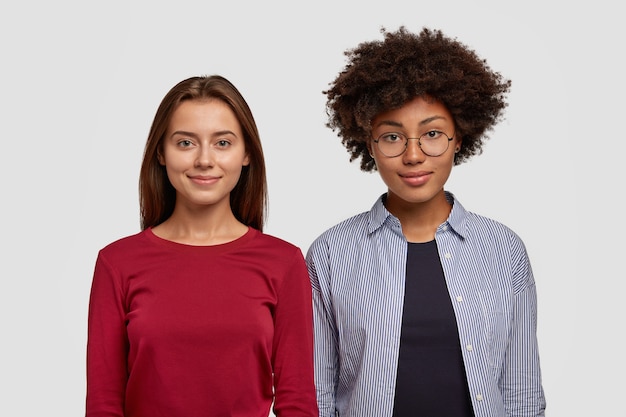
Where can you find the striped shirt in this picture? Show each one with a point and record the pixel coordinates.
(358, 270)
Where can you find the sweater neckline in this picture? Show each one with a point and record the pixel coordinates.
(203, 249)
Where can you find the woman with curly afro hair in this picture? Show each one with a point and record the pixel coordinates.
(421, 307)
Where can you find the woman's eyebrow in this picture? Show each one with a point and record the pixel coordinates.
(192, 134)
(389, 123)
(421, 123)
(432, 119)
(183, 133)
(224, 132)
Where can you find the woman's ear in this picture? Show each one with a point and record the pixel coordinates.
(458, 144)
(160, 158)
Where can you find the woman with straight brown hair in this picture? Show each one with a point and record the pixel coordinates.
(200, 313)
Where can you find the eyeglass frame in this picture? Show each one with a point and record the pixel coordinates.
(419, 143)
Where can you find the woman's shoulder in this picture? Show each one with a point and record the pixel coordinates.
(127, 243)
(470, 222)
(273, 242)
(346, 233)
(491, 233)
(485, 224)
(272, 251)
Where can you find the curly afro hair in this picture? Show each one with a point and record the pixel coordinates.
(384, 75)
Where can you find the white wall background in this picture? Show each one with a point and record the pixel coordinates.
(80, 83)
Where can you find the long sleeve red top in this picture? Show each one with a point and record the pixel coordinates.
(182, 331)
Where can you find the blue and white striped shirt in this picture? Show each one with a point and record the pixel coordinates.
(358, 270)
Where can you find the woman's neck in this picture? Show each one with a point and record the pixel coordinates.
(201, 227)
(420, 220)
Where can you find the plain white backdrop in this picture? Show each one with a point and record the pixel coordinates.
(80, 83)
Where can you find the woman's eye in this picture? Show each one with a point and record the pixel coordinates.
(433, 134)
(223, 143)
(392, 137)
(185, 143)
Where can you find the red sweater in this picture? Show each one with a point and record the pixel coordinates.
(182, 331)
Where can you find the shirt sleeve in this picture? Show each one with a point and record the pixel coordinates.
(521, 380)
(293, 344)
(325, 331)
(107, 344)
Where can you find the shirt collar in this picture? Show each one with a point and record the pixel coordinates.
(457, 220)
(379, 214)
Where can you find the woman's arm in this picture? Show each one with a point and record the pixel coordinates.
(325, 331)
(521, 380)
(293, 345)
(107, 344)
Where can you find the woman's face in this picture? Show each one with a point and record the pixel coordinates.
(413, 177)
(203, 152)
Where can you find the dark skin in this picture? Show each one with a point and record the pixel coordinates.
(415, 180)
(383, 75)
(381, 78)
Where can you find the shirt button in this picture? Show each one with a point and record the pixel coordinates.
(479, 397)
(447, 255)
(459, 298)
(469, 347)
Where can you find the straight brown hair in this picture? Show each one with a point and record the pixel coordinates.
(157, 196)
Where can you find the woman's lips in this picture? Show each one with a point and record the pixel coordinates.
(416, 178)
(204, 179)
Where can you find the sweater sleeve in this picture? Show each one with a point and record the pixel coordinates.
(293, 344)
(107, 344)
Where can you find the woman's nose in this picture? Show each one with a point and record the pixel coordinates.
(413, 153)
(204, 158)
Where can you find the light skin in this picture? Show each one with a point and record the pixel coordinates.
(204, 153)
(415, 181)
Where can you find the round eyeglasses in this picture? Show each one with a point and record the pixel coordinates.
(432, 143)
